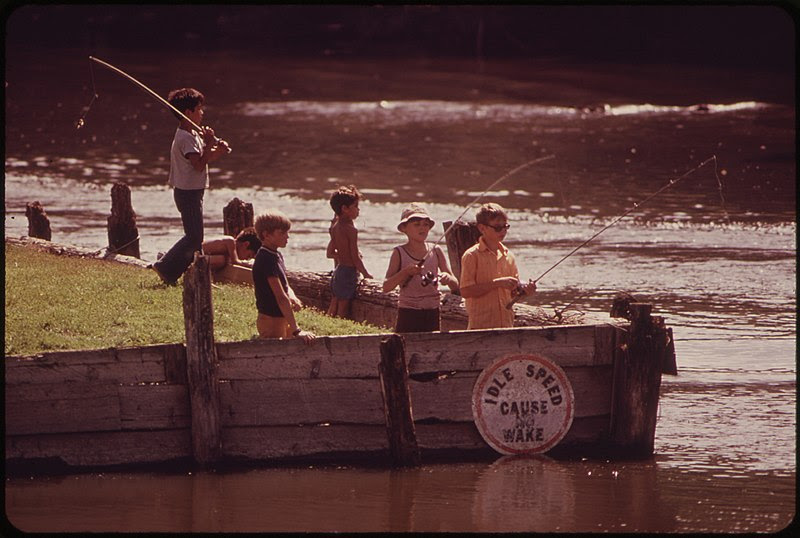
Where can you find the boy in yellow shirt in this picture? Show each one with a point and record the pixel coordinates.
(489, 274)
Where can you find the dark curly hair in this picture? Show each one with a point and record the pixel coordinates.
(249, 236)
(344, 196)
(185, 99)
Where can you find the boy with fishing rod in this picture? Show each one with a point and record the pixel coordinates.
(489, 274)
(193, 148)
(417, 268)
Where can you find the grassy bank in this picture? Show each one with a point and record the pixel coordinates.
(58, 303)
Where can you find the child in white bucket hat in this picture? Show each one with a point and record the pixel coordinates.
(417, 269)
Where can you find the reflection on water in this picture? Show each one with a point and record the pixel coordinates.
(716, 255)
(509, 495)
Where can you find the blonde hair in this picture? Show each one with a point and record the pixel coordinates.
(489, 212)
(270, 221)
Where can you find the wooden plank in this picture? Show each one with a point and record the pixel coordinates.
(291, 402)
(325, 357)
(120, 365)
(102, 448)
(450, 398)
(291, 441)
(161, 407)
(357, 356)
(61, 407)
(201, 362)
(585, 431)
(474, 350)
(403, 448)
(637, 380)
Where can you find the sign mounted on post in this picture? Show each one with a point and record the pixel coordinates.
(523, 404)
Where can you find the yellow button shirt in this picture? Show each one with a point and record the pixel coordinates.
(478, 265)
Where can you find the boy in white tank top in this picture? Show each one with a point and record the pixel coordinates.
(418, 305)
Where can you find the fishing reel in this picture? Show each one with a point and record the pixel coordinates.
(429, 279)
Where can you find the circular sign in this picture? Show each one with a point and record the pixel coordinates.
(523, 404)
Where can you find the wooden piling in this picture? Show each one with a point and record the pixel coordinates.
(636, 383)
(38, 223)
(201, 362)
(236, 216)
(393, 372)
(459, 239)
(123, 235)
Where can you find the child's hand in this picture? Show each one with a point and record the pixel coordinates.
(507, 282)
(529, 288)
(208, 135)
(411, 270)
(296, 304)
(306, 336)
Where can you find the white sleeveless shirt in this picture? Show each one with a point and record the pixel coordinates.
(414, 294)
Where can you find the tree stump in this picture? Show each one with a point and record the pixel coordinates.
(202, 362)
(38, 223)
(460, 237)
(236, 216)
(123, 236)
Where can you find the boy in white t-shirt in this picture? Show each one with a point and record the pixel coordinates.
(188, 176)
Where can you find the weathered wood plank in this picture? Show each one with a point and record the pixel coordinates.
(393, 370)
(450, 398)
(292, 441)
(102, 448)
(201, 361)
(465, 436)
(157, 407)
(119, 365)
(325, 357)
(299, 401)
(357, 356)
(61, 407)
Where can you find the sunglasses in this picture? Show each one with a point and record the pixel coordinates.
(500, 227)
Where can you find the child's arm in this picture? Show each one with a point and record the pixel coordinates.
(396, 276)
(470, 288)
(284, 303)
(445, 275)
(352, 240)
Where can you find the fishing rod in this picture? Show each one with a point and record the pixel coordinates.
(616, 220)
(429, 279)
(148, 90)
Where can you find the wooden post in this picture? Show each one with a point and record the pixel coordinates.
(637, 381)
(393, 372)
(123, 236)
(236, 216)
(38, 223)
(201, 362)
(459, 239)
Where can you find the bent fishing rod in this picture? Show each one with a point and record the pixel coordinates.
(148, 90)
(616, 220)
(429, 280)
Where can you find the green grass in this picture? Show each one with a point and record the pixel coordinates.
(63, 303)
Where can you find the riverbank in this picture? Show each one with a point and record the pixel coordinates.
(65, 302)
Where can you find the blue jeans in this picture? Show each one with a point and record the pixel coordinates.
(181, 255)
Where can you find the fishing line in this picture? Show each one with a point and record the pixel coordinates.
(625, 214)
(429, 280)
(169, 105)
(82, 120)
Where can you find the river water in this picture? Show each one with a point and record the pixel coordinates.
(715, 254)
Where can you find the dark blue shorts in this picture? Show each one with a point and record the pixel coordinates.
(344, 282)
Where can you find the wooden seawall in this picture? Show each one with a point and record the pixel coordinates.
(283, 399)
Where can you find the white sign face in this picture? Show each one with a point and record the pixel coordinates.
(523, 404)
